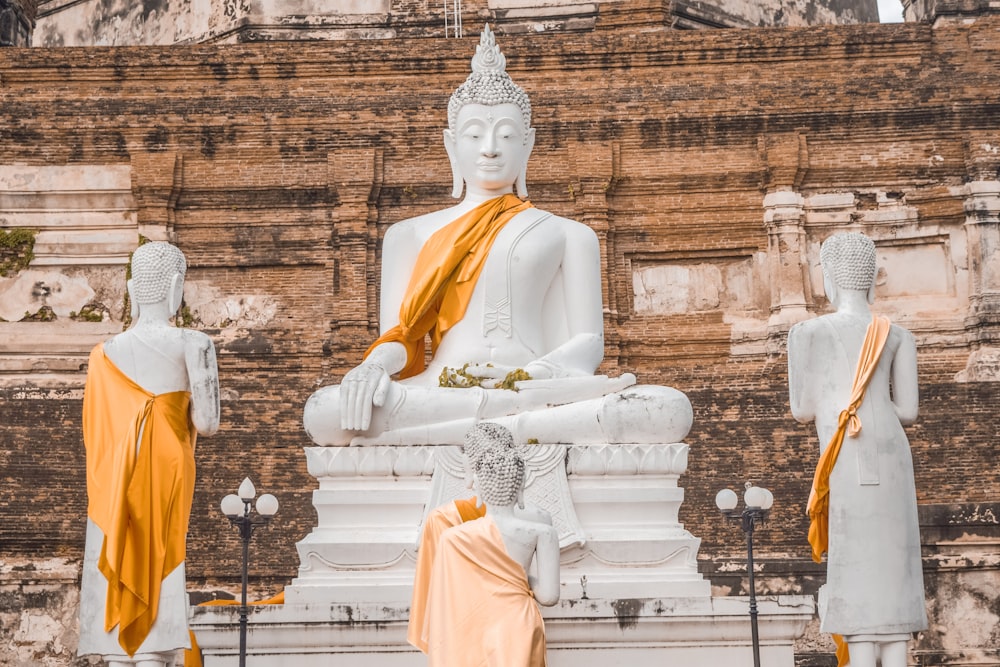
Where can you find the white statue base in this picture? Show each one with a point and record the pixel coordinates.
(631, 590)
(688, 631)
(615, 507)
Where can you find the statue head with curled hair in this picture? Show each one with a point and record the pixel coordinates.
(489, 84)
(490, 106)
(500, 477)
(848, 261)
(158, 270)
(482, 438)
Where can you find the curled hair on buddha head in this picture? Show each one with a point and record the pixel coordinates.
(849, 260)
(489, 84)
(154, 266)
(484, 437)
(500, 476)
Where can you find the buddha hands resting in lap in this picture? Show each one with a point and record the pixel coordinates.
(510, 296)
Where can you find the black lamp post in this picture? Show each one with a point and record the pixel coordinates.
(758, 503)
(236, 507)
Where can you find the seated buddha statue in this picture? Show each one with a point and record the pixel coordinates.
(508, 297)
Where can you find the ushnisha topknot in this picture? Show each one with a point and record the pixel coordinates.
(849, 260)
(500, 476)
(489, 84)
(484, 437)
(154, 265)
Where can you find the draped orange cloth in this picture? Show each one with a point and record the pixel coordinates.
(438, 520)
(480, 611)
(441, 284)
(847, 423)
(140, 484)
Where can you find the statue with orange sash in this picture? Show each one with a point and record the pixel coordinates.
(508, 297)
(149, 392)
(855, 374)
(482, 606)
(483, 438)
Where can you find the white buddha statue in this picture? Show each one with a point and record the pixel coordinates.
(482, 605)
(150, 391)
(505, 292)
(873, 599)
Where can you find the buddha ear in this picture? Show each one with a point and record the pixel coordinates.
(520, 497)
(175, 294)
(457, 184)
(522, 176)
(829, 287)
(871, 293)
(133, 304)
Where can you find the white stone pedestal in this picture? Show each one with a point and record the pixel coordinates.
(631, 591)
(648, 632)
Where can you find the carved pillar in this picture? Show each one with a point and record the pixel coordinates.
(785, 159)
(784, 219)
(982, 225)
(356, 176)
(156, 184)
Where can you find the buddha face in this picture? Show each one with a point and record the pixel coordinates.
(489, 148)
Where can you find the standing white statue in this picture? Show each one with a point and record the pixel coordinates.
(505, 292)
(856, 376)
(482, 606)
(149, 392)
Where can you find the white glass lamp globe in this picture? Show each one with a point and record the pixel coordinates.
(768, 499)
(267, 505)
(232, 505)
(726, 500)
(755, 497)
(247, 490)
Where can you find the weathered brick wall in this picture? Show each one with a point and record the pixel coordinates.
(277, 168)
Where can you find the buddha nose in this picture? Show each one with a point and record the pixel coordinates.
(489, 147)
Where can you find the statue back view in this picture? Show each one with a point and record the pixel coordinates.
(873, 596)
(149, 391)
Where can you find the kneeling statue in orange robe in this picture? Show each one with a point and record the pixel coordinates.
(482, 607)
(480, 439)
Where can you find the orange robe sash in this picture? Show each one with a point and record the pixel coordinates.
(847, 423)
(140, 485)
(444, 277)
(438, 520)
(480, 610)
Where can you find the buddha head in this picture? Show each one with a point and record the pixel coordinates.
(848, 262)
(489, 135)
(482, 438)
(500, 477)
(158, 270)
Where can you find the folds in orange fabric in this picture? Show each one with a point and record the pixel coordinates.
(140, 485)
(447, 268)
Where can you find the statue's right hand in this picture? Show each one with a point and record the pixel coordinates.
(363, 387)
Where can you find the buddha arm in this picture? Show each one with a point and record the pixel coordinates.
(579, 289)
(546, 586)
(203, 379)
(905, 393)
(799, 392)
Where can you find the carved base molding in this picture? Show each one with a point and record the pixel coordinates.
(615, 507)
(639, 632)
